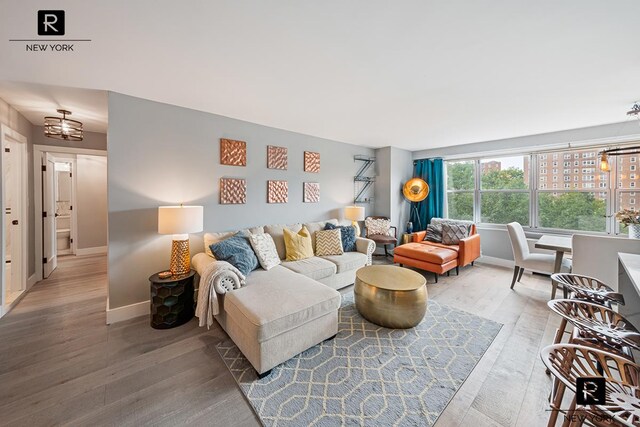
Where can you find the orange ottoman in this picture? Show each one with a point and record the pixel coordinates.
(435, 259)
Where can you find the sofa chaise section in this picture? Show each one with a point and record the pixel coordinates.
(282, 312)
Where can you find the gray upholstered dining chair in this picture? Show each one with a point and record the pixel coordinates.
(525, 260)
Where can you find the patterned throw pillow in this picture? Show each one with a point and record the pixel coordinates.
(434, 233)
(265, 250)
(377, 226)
(236, 251)
(329, 242)
(453, 233)
(347, 234)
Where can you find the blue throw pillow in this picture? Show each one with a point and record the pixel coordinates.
(348, 235)
(237, 251)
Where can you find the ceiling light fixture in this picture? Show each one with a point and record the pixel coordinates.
(62, 127)
(635, 110)
(621, 151)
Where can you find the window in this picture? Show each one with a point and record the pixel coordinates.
(460, 189)
(504, 192)
(625, 199)
(581, 198)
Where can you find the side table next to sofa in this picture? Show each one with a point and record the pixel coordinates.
(171, 300)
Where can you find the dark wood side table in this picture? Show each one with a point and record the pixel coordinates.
(171, 300)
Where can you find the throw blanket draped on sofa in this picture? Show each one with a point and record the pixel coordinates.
(219, 277)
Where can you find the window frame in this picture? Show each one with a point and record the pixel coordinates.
(612, 188)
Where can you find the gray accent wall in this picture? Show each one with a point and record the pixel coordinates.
(394, 167)
(165, 155)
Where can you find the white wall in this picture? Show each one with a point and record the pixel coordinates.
(161, 154)
(91, 198)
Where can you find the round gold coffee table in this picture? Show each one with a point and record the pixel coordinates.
(390, 296)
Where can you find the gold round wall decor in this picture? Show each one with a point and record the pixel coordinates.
(415, 190)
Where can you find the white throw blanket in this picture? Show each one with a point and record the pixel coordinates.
(219, 277)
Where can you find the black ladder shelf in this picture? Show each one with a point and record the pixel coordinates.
(362, 182)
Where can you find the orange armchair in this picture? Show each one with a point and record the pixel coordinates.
(438, 258)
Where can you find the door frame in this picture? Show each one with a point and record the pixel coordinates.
(74, 212)
(38, 152)
(5, 133)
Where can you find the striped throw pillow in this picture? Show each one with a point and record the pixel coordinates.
(329, 242)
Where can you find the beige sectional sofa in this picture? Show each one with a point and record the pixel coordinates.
(289, 308)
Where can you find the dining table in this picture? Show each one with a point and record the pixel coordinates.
(561, 245)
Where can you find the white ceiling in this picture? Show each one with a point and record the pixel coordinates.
(412, 74)
(36, 101)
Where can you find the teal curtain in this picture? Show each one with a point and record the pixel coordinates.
(432, 171)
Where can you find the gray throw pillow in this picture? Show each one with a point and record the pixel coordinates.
(434, 233)
(348, 235)
(453, 233)
(237, 251)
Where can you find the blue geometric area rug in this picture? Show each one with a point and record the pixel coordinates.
(369, 375)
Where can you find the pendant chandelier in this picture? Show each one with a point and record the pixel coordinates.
(62, 127)
(604, 154)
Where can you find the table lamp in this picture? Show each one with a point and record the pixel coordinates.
(180, 221)
(355, 214)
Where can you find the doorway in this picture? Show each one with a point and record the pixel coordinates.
(70, 195)
(14, 226)
(65, 223)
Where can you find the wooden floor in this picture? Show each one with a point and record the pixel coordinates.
(61, 364)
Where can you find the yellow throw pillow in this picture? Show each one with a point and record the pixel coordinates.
(298, 245)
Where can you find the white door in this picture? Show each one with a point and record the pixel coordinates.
(50, 259)
(14, 205)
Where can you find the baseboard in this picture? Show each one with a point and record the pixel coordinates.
(501, 262)
(31, 281)
(92, 251)
(127, 312)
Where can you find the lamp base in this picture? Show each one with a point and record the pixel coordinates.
(180, 257)
(357, 227)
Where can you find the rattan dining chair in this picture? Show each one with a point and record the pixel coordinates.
(567, 362)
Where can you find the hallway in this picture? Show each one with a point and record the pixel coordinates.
(61, 364)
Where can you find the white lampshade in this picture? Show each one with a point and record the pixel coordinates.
(179, 219)
(354, 213)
